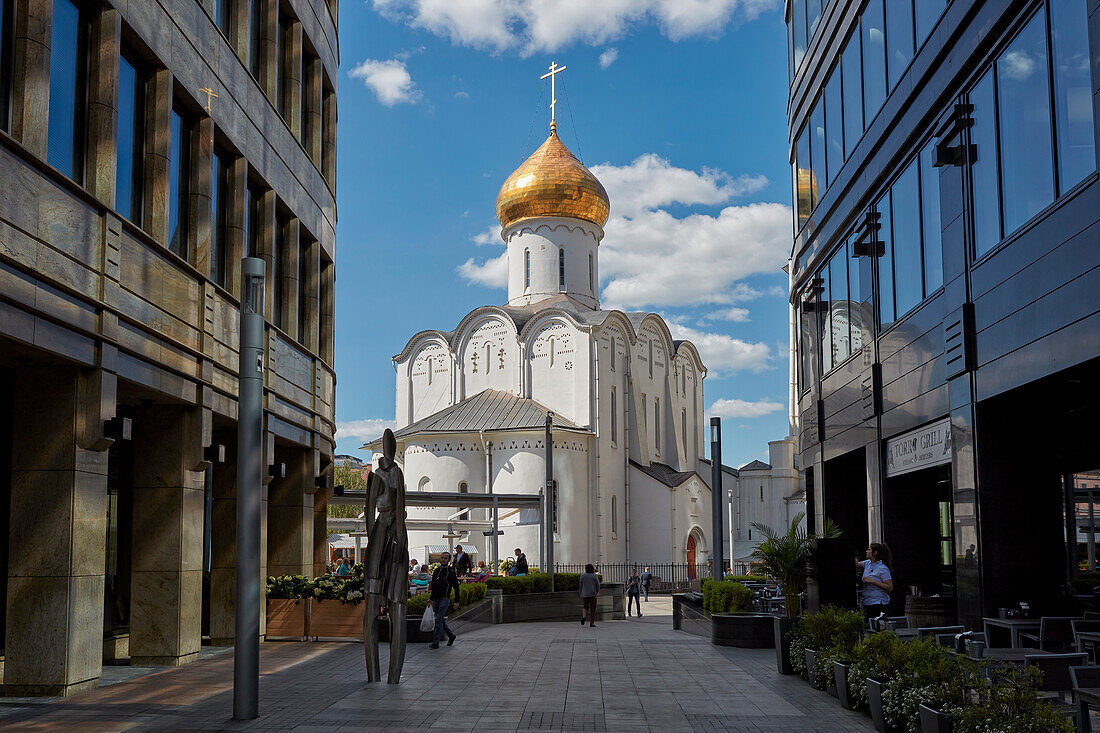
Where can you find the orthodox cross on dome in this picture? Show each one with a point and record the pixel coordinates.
(554, 70)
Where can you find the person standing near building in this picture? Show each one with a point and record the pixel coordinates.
(463, 563)
(878, 581)
(647, 578)
(520, 567)
(590, 587)
(343, 568)
(443, 580)
(634, 592)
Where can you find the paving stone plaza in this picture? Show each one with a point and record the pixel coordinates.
(633, 675)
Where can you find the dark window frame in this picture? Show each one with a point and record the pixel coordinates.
(179, 240)
(7, 61)
(222, 164)
(80, 100)
(137, 172)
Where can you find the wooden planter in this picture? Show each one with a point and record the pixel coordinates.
(933, 721)
(844, 691)
(335, 620)
(286, 618)
(745, 630)
(782, 627)
(874, 702)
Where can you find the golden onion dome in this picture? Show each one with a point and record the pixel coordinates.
(552, 182)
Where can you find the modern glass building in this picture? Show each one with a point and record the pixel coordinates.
(946, 279)
(145, 147)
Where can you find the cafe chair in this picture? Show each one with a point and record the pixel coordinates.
(1087, 646)
(1056, 679)
(934, 631)
(1055, 634)
(1084, 679)
(1092, 615)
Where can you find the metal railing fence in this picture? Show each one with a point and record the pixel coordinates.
(666, 576)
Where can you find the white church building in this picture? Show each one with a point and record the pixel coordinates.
(627, 399)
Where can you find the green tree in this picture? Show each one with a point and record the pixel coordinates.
(352, 480)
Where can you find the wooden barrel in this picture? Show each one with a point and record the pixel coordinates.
(925, 611)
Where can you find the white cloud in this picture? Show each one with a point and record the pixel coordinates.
(651, 258)
(740, 408)
(491, 273)
(537, 25)
(462, 95)
(608, 57)
(738, 315)
(364, 430)
(721, 353)
(488, 236)
(389, 80)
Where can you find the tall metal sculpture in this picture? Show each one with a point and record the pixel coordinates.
(386, 574)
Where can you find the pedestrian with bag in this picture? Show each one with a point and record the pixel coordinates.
(443, 580)
(634, 592)
(590, 588)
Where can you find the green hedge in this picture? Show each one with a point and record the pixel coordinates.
(726, 596)
(467, 593)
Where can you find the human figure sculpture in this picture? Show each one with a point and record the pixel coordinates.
(386, 574)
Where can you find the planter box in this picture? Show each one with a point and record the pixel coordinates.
(874, 702)
(933, 721)
(286, 618)
(744, 630)
(782, 628)
(825, 685)
(335, 620)
(844, 691)
(413, 634)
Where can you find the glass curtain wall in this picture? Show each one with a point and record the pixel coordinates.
(179, 183)
(130, 144)
(68, 90)
(840, 319)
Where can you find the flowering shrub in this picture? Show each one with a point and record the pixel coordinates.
(832, 632)
(1008, 705)
(289, 587)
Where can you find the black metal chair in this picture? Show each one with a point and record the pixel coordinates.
(933, 631)
(1084, 678)
(1056, 678)
(1088, 647)
(1055, 634)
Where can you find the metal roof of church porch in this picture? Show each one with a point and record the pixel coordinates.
(490, 410)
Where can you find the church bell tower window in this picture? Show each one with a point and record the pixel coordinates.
(591, 275)
(526, 268)
(561, 269)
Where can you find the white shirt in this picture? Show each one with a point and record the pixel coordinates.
(872, 594)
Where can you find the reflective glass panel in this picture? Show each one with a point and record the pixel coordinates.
(817, 148)
(220, 200)
(930, 216)
(813, 16)
(885, 264)
(128, 152)
(838, 306)
(855, 308)
(252, 222)
(834, 126)
(1027, 168)
(64, 146)
(808, 330)
(1072, 98)
(928, 12)
(983, 170)
(5, 61)
(277, 272)
(874, 59)
(825, 307)
(256, 26)
(899, 37)
(798, 31)
(908, 269)
(805, 185)
(853, 94)
(178, 191)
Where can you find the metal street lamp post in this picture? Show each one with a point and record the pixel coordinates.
(716, 496)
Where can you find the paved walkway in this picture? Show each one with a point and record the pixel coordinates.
(634, 675)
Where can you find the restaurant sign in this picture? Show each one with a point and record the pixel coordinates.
(921, 448)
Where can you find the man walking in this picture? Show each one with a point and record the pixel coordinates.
(443, 580)
(590, 588)
(633, 591)
(647, 578)
(463, 563)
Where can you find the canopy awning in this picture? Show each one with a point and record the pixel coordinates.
(436, 549)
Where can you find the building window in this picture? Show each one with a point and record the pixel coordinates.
(282, 56)
(852, 82)
(805, 184)
(614, 417)
(463, 488)
(684, 428)
(657, 425)
(927, 13)
(873, 27)
(223, 16)
(561, 269)
(550, 350)
(425, 484)
(798, 34)
(277, 270)
(614, 347)
(1032, 124)
(817, 145)
(219, 201)
(68, 90)
(256, 24)
(834, 126)
(591, 275)
(130, 144)
(429, 366)
(684, 381)
(645, 415)
(841, 325)
(488, 358)
(179, 182)
(651, 358)
(253, 223)
(614, 515)
(899, 38)
(526, 268)
(6, 62)
(303, 291)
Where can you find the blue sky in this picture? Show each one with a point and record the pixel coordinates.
(678, 106)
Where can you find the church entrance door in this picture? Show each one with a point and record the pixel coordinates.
(691, 556)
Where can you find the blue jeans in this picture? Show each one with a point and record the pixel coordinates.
(645, 590)
(633, 598)
(439, 608)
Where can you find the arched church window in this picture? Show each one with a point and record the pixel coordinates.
(561, 269)
(429, 371)
(614, 515)
(651, 358)
(425, 484)
(591, 275)
(526, 268)
(613, 346)
(463, 488)
(684, 427)
(684, 381)
(614, 417)
(488, 358)
(657, 425)
(551, 348)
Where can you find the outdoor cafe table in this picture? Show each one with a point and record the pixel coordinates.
(1001, 654)
(1013, 625)
(907, 633)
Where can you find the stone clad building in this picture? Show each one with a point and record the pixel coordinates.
(145, 147)
(946, 273)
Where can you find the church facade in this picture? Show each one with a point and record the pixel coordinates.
(626, 398)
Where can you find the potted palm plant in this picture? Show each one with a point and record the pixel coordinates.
(785, 559)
